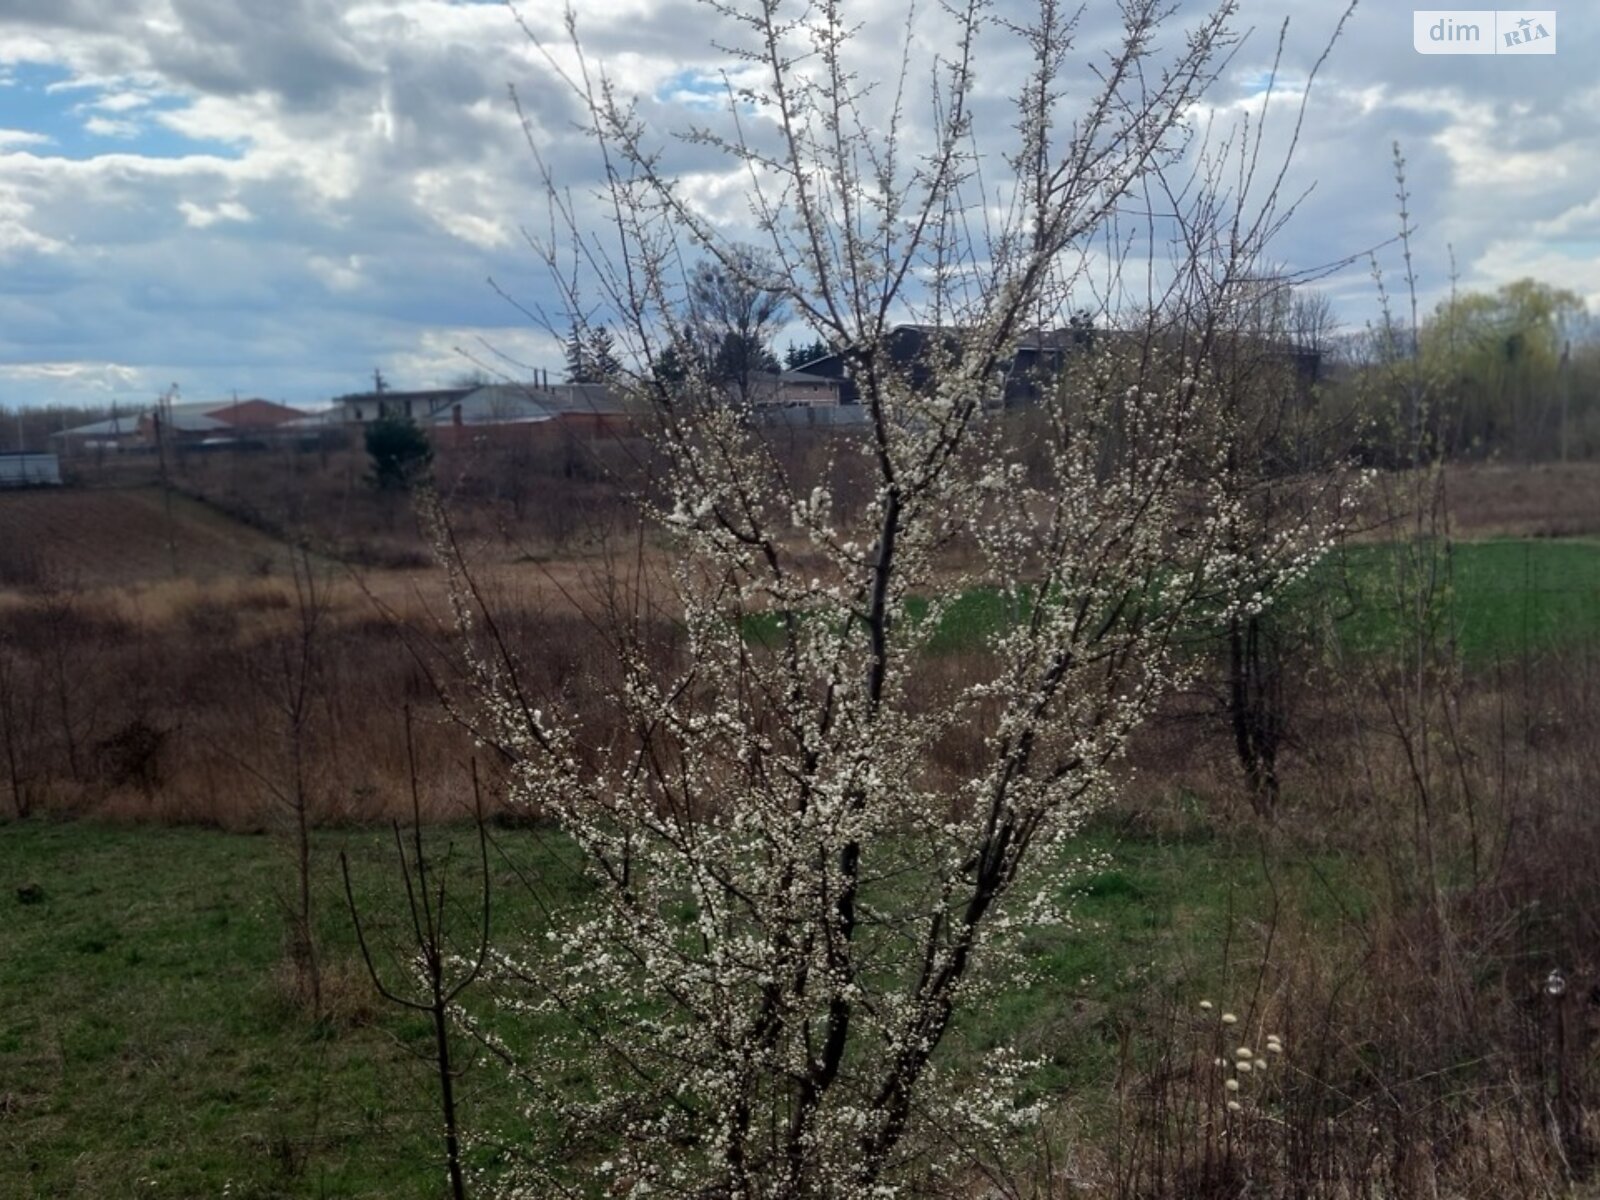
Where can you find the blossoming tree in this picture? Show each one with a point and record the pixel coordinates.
(787, 908)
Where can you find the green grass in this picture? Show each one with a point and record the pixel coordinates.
(147, 1049)
(1496, 599)
(1154, 927)
(965, 623)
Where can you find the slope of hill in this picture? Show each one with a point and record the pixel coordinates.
(117, 537)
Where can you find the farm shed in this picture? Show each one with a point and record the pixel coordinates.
(118, 432)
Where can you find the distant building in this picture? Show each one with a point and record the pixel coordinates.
(363, 408)
(115, 433)
(205, 424)
(794, 389)
(29, 470)
(1039, 358)
(242, 416)
(499, 411)
(216, 424)
(1041, 354)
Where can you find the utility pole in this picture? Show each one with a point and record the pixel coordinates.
(163, 422)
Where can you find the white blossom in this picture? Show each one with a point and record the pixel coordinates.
(783, 903)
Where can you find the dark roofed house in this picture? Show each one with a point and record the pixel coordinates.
(1039, 358)
(907, 346)
(1039, 354)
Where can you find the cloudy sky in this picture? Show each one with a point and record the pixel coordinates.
(276, 196)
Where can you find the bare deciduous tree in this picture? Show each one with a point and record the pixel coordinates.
(734, 309)
(435, 971)
(288, 671)
(1285, 471)
(21, 724)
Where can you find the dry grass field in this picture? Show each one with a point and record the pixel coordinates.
(125, 536)
(1539, 500)
(117, 652)
(142, 649)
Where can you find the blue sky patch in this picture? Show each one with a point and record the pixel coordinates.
(1255, 82)
(696, 89)
(44, 99)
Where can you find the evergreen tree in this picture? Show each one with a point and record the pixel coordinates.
(799, 355)
(400, 452)
(603, 363)
(674, 365)
(580, 365)
(740, 357)
(591, 355)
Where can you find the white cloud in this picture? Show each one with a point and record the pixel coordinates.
(298, 192)
(121, 101)
(500, 352)
(200, 217)
(21, 137)
(1519, 258)
(460, 202)
(16, 226)
(74, 382)
(342, 276)
(112, 127)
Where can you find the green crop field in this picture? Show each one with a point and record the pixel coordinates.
(1494, 598)
(1491, 598)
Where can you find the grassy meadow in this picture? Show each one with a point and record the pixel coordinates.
(151, 1046)
(1395, 926)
